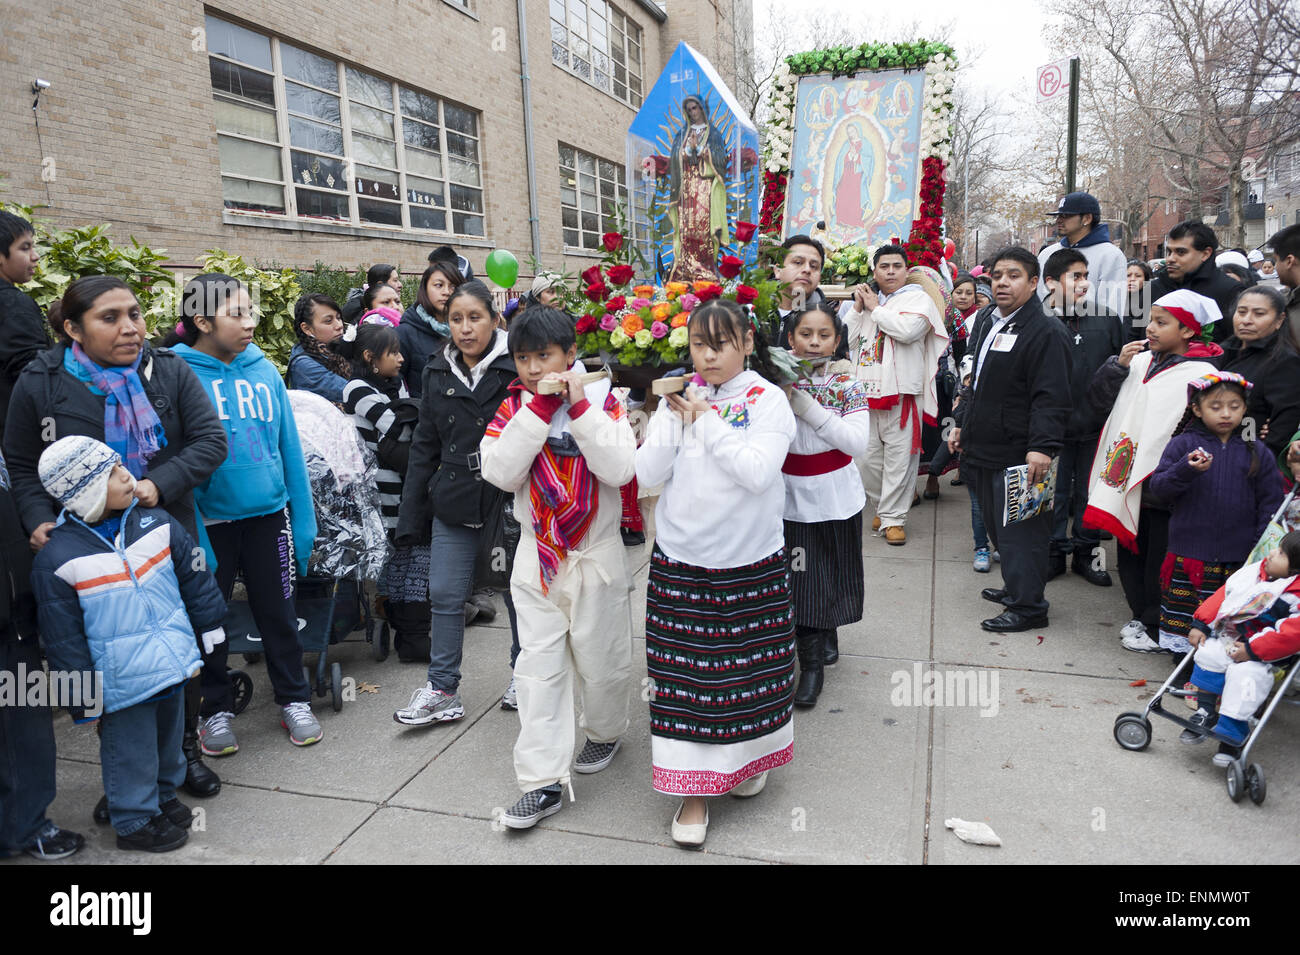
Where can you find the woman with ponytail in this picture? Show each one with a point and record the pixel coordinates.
(719, 620)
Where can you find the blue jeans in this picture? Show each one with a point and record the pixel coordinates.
(26, 755)
(451, 581)
(143, 764)
(976, 518)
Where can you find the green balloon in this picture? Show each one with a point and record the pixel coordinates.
(502, 268)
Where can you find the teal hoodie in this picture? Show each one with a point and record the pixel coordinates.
(265, 468)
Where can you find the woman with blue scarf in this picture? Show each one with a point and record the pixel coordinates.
(143, 402)
(423, 330)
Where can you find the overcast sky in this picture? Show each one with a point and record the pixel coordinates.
(1007, 35)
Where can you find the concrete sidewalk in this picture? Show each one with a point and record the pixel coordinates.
(875, 774)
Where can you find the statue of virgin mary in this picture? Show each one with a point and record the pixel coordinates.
(697, 206)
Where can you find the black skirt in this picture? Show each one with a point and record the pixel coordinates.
(826, 572)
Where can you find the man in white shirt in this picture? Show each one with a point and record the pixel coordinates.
(894, 338)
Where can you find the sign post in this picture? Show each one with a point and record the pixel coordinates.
(1053, 80)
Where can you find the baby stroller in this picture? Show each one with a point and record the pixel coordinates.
(351, 547)
(1132, 730)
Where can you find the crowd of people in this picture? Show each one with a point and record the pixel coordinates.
(144, 479)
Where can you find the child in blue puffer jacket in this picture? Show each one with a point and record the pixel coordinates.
(119, 594)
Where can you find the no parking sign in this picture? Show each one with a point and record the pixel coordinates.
(1053, 79)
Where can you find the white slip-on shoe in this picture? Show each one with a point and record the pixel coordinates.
(691, 836)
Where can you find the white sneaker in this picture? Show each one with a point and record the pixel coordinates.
(510, 698)
(750, 787)
(1132, 629)
(1141, 643)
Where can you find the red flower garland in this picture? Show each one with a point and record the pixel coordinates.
(924, 245)
(769, 217)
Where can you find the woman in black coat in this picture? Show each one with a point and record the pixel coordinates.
(54, 398)
(445, 499)
(1263, 350)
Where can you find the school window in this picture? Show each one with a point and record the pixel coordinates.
(599, 43)
(590, 188)
(306, 136)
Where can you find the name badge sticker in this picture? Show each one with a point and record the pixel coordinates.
(1003, 341)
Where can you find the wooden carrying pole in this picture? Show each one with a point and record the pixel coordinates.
(554, 386)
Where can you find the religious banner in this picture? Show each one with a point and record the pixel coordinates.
(692, 160)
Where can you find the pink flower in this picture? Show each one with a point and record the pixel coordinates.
(688, 302)
(658, 329)
(608, 323)
(639, 303)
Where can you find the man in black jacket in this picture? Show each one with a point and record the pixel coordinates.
(22, 326)
(1189, 264)
(1094, 334)
(1016, 413)
(26, 731)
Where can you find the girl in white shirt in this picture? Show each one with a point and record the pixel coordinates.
(719, 622)
(824, 499)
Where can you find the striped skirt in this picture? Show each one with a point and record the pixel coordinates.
(1185, 585)
(826, 579)
(720, 654)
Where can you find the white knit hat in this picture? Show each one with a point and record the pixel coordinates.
(75, 472)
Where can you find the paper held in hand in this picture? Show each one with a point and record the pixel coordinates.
(1024, 500)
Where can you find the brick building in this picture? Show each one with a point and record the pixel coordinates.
(346, 132)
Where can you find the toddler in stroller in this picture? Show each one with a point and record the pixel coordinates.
(1253, 620)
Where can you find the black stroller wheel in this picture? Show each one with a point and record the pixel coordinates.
(1235, 781)
(1255, 787)
(336, 687)
(252, 658)
(1133, 731)
(241, 685)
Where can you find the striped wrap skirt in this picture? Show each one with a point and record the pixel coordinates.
(826, 574)
(720, 655)
(1185, 584)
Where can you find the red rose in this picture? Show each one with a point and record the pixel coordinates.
(662, 164)
(612, 241)
(586, 324)
(597, 291)
(712, 290)
(592, 275)
(730, 266)
(621, 274)
(615, 304)
(745, 294)
(744, 231)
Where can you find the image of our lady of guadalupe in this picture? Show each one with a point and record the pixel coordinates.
(698, 195)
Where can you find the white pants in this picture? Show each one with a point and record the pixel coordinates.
(1246, 685)
(581, 630)
(889, 466)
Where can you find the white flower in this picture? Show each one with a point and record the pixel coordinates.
(773, 166)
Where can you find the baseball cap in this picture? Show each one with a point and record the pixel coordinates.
(1078, 203)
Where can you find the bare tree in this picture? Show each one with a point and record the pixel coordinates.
(976, 163)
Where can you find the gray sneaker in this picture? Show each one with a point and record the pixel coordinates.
(302, 726)
(216, 736)
(430, 706)
(596, 756)
(510, 699)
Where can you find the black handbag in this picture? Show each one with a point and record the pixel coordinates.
(498, 540)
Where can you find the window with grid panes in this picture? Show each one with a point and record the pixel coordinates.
(360, 148)
(590, 188)
(600, 43)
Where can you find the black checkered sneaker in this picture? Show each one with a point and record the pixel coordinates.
(533, 807)
(596, 756)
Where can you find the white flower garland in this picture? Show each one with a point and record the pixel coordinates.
(936, 114)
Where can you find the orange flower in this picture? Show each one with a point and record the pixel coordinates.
(701, 286)
(632, 324)
(680, 319)
(677, 288)
(644, 291)
(661, 311)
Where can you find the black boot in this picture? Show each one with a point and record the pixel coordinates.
(199, 780)
(831, 654)
(811, 646)
(1081, 564)
(1055, 564)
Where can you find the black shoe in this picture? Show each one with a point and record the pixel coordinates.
(956, 482)
(177, 813)
(100, 813)
(1200, 720)
(1009, 621)
(831, 648)
(1083, 567)
(533, 807)
(157, 835)
(811, 647)
(994, 594)
(54, 843)
(632, 538)
(1055, 565)
(200, 781)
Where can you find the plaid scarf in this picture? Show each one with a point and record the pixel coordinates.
(561, 490)
(327, 356)
(131, 426)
